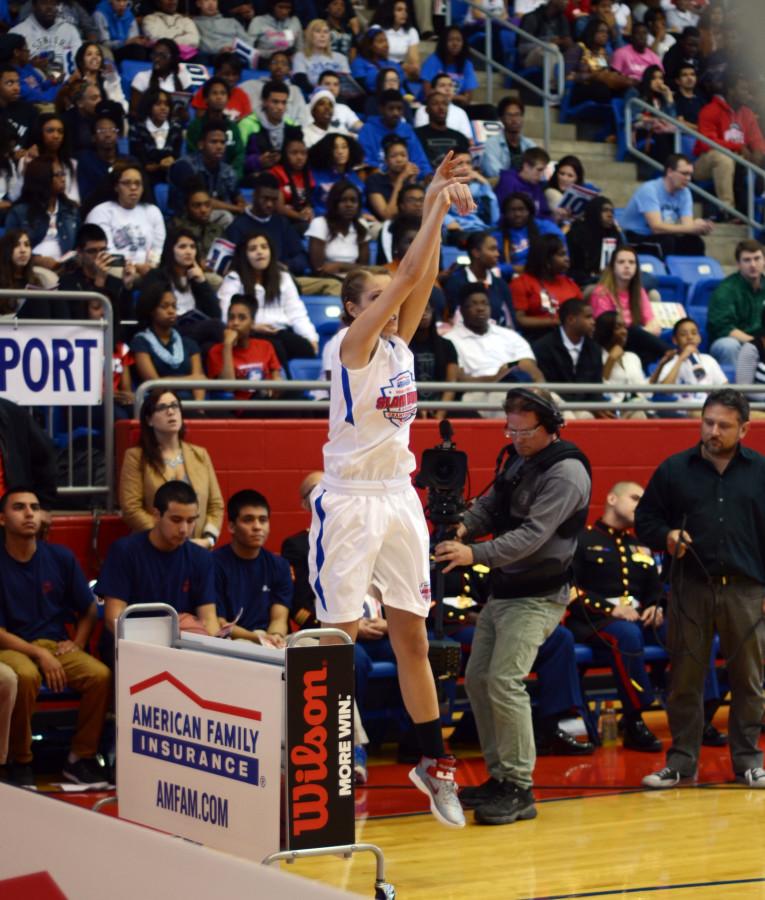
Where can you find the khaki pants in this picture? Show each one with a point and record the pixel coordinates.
(721, 169)
(7, 701)
(84, 674)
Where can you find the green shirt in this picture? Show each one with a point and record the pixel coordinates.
(234, 146)
(734, 304)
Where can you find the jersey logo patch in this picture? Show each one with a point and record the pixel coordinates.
(398, 399)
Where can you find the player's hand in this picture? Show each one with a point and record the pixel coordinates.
(53, 671)
(652, 615)
(673, 542)
(454, 554)
(460, 196)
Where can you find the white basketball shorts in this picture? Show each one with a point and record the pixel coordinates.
(367, 533)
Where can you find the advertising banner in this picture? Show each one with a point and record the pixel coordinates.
(51, 365)
(199, 746)
(319, 789)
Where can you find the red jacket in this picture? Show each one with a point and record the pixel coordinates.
(734, 129)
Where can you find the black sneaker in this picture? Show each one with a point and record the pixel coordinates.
(508, 804)
(638, 736)
(471, 797)
(86, 772)
(561, 743)
(21, 775)
(713, 738)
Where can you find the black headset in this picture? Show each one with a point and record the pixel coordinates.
(550, 417)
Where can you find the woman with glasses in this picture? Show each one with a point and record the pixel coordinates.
(163, 455)
(134, 226)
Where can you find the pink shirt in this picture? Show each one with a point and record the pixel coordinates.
(632, 64)
(601, 301)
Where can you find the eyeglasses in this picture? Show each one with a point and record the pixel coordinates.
(167, 407)
(107, 130)
(515, 433)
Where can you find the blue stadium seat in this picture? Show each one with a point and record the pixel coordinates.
(161, 197)
(324, 312)
(701, 292)
(305, 369)
(651, 265)
(671, 288)
(693, 268)
(450, 255)
(589, 110)
(128, 70)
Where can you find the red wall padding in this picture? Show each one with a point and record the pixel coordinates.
(273, 456)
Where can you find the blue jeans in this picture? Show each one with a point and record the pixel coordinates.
(726, 350)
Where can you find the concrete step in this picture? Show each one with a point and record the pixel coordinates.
(558, 132)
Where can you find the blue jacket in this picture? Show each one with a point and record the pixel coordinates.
(67, 222)
(221, 183)
(119, 26)
(366, 72)
(371, 138)
(35, 88)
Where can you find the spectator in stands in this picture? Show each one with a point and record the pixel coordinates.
(570, 354)
(387, 80)
(620, 366)
(711, 30)
(27, 456)
(164, 564)
(91, 67)
(486, 212)
(618, 607)
(16, 271)
(297, 185)
(344, 119)
(505, 150)
(735, 306)
(620, 288)
(403, 39)
(634, 58)
(8, 688)
(16, 114)
(261, 217)
(316, 56)
(216, 94)
(49, 36)
(658, 134)
(588, 66)
(681, 16)
(592, 239)
(279, 71)
(750, 365)
(41, 588)
(167, 22)
(216, 30)
(87, 102)
(373, 54)
(165, 64)
(382, 188)
(435, 359)
(484, 255)
(410, 203)
(228, 66)
(660, 39)
(279, 29)
(339, 240)
(252, 584)
(660, 212)
(452, 57)
(117, 30)
(8, 174)
(689, 366)
(388, 123)
(197, 219)
(208, 165)
(95, 163)
(519, 228)
(281, 315)
(46, 213)
(685, 52)
(160, 350)
(240, 355)
(487, 351)
(456, 117)
(336, 157)
(547, 23)
(568, 171)
(544, 287)
(730, 121)
(264, 133)
(156, 137)
(688, 99)
(48, 136)
(162, 455)
(134, 226)
(436, 137)
(529, 180)
(36, 86)
(321, 109)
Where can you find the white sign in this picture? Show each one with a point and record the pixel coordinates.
(51, 365)
(577, 198)
(199, 746)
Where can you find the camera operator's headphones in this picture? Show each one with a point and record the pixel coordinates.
(550, 417)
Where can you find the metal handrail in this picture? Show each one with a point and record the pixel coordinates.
(449, 405)
(684, 128)
(552, 58)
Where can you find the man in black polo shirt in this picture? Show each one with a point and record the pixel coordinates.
(436, 138)
(706, 507)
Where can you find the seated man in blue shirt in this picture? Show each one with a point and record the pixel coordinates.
(250, 579)
(41, 589)
(162, 565)
(391, 121)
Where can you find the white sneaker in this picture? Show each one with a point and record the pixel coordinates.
(435, 778)
(665, 778)
(753, 777)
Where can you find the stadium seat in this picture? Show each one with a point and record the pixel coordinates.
(693, 268)
(128, 70)
(450, 256)
(701, 292)
(305, 369)
(161, 197)
(589, 110)
(651, 265)
(324, 312)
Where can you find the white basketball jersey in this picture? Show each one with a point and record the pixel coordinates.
(370, 412)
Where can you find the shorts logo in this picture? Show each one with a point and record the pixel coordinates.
(425, 591)
(398, 399)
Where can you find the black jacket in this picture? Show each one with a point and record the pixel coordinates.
(28, 455)
(557, 366)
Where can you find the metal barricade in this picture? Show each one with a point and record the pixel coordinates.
(104, 489)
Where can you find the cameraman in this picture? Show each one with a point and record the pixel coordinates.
(535, 510)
